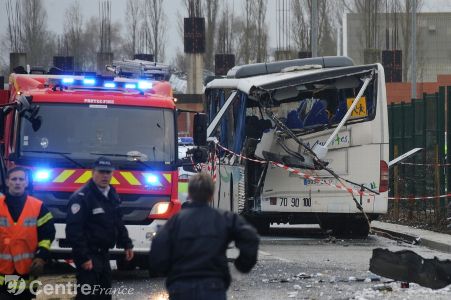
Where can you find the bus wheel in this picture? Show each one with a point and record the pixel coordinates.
(262, 226)
(358, 228)
(346, 227)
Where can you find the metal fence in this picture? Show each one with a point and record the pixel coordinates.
(419, 184)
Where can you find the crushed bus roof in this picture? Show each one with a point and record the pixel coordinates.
(283, 79)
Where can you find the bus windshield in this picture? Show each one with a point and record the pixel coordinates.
(83, 132)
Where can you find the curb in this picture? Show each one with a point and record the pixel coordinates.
(413, 239)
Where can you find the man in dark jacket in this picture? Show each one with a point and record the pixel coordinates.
(191, 248)
(94, 225)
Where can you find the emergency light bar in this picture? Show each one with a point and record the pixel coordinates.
(105, 83)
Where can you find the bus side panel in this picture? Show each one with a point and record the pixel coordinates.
(229, 187)
(304, 195)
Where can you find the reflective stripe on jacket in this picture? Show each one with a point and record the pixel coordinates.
(18, 240)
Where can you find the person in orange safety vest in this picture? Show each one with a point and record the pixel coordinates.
(26, 233)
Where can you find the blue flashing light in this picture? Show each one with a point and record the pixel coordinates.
(152, 179)
(41, 175)
(130, 86)
(144, 85)
(109, 85)
(186, 140)
(89, 81)
(68, 80)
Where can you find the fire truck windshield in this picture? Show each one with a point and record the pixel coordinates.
(81, 131)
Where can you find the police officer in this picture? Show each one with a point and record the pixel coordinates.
(26, 232)
(94, 225)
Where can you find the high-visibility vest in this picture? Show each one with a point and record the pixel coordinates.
(18, 240)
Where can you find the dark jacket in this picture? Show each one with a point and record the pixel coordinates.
(193, 244)
(94, 223)
(45, 224)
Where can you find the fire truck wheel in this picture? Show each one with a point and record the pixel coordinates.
(142, 262)
(123, 265)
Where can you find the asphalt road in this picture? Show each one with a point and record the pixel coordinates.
(300, 263)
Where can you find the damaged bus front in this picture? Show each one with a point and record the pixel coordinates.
(302, 141)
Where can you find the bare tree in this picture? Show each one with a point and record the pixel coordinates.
(248, 10)
(261, 42)
(105, 26)
(211, 8)
(13, 11)
(224, 44)
(155, 20)
(90, 44)
(250, 32)
(300, 25)
(132, 15)
(194, 8)
(399, 13)
(73, 33)
(406, 28)
(34, 31)
(301, 12)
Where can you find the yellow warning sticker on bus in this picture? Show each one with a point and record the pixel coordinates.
(360, 109)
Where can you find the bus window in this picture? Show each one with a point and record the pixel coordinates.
(325, 106)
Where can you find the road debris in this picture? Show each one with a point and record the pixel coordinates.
(407, 266)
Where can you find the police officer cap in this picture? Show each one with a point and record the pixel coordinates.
(103, 164)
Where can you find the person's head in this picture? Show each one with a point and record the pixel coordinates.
(17, 181)
(201, 188)
(102, 172)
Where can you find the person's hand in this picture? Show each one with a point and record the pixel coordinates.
(129, 254)
(87, 265)
(37, 267)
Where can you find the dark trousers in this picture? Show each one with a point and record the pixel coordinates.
(98, 278)
(197, 289)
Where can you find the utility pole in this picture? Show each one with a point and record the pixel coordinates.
(414, 50)
(314, 28)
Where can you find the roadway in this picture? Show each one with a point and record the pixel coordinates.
(299, 262)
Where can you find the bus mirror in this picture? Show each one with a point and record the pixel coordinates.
(198, 155)
(200, 129)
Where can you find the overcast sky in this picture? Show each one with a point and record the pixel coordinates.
(56, 8)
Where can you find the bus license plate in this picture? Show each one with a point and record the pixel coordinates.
(294, 202)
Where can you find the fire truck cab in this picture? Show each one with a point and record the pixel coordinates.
(131, 121)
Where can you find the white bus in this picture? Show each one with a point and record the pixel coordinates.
(323, 117)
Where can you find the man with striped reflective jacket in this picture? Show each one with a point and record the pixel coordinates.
(26, 232)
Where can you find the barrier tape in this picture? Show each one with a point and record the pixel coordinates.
(299, 173)
(318, 180)
(420, 198)
(197, 167)
(427, 165)
(212, 165)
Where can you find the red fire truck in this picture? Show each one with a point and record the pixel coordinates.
(131, 121)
